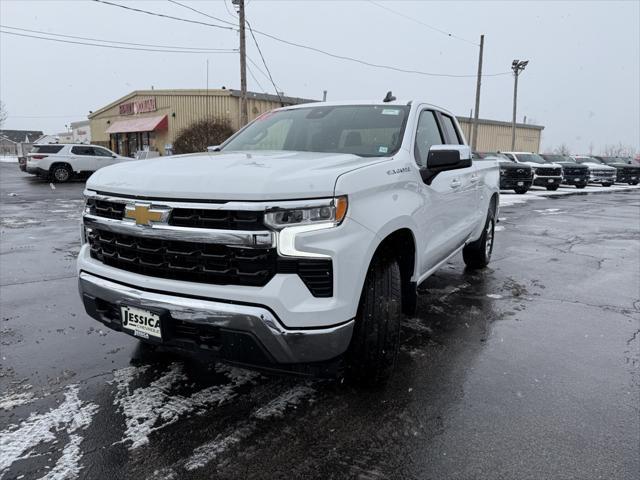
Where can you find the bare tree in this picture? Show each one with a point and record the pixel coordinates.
(618, 150)
(3, 114)
(562, 150)
(201, 134)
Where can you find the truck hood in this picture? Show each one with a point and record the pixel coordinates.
(542, 165)
(229, 176)
(597, 166)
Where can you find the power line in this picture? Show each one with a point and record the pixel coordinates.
(165, 16)
(257, 67)
(255, 79)
(202, 13)
(415, 20)
(313, 49)
(112, 46)
(264, 62)
(121, 43)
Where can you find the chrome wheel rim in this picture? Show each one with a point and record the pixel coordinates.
(488, 245)
(61, 174)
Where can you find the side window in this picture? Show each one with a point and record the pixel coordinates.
(453, 138)
(101, 152)
(86, 151)
(428, 134)
(510, 157)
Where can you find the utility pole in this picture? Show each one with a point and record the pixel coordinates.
(244, 116)
(517, 66)
(474, 134)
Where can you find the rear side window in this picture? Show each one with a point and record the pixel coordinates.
(428, 134)
(81, 150)
(450, 130)
(46, 149)
(102, 152)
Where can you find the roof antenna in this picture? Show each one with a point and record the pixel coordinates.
(389, 97)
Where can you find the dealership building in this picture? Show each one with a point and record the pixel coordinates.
(152, 119)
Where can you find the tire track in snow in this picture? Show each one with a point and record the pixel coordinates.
(72, 415)
(153, 407)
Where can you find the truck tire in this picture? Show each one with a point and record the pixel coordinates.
(478, 253)
(633, 183)
(552, 188)
(376, 335)
(521, 190)
(60, 173)
(581, 185)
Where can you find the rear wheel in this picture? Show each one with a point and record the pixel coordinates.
(552, 188)
(606, 184)
(581, 185)
(478, 253)
(60, 173)
(633, 183)
(521, 190)
(376, 335)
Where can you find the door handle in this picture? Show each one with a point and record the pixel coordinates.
(455, 183)
(474, 178)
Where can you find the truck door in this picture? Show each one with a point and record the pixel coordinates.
(442, 215)
(469, 178)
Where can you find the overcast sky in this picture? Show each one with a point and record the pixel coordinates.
(582, 82)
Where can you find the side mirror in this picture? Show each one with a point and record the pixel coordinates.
(213, 148)
(442, 158)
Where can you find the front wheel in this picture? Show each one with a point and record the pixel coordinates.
(581, 185)
(376, 335)
(606, 184)
(478, 253)
(633, 183)
(521, 190)
(552, 188)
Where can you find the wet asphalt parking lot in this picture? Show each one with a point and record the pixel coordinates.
(526, 370)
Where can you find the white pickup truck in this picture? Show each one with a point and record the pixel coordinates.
(298, 245)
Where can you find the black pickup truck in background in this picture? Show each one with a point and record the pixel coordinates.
(627, 172)
(573, 172)
(513, 176)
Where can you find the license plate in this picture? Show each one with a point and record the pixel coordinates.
(141, 323)
(520, 184)
(577, 180)
(633, 178)
(551, 180)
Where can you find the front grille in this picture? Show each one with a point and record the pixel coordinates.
(205, 263)
(604, 173)
(189, 217)
(217, 219)
(548, 171)
(106, 209)
(573, 171)
(519, 173)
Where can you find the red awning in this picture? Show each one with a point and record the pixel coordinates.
(144, 124)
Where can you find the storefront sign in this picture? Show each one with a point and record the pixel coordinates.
(139, 106)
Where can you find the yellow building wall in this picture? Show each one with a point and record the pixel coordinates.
(497, 137)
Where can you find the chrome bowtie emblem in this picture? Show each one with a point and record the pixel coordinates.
(143, 214)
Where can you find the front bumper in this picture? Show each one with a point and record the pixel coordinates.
(246, 334)
(627, 177)
(602, 178)
(511, 183)
(576, 179)
(543, 181)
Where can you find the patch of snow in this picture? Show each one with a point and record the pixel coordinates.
(71, 415)
(8, 159)
(68, 465)
(416, 325)
(510, 198)
(151, 408)
(499, 228)
(276, 408)
(494, 295)
(15, 399)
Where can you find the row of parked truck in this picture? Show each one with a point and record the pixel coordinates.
(520, 170)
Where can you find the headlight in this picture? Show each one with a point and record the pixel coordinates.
(330, 211)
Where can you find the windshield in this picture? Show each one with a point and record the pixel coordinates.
(558, 158)
(364, 130)
(491, 156)
(530, 157)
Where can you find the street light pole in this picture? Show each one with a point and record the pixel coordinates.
(474, 133)
(517, 66)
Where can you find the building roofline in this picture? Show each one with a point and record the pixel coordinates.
(484, 121)
(216, 92)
